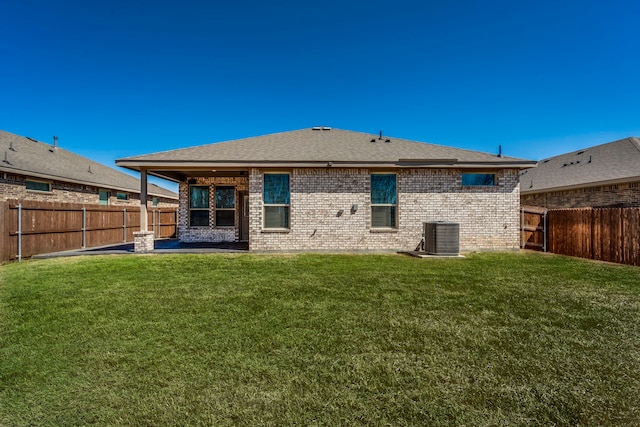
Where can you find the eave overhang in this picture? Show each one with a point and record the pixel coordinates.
(195, 165)
(5, 169)
(577, 186)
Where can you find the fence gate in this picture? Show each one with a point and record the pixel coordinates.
(533, 228)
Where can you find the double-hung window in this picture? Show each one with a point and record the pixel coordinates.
(199, 206)
(276, 200)
(225, 206)
(384, 200)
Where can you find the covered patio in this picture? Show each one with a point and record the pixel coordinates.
(214, 206)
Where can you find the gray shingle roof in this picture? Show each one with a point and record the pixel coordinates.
(25, 156)
(325, 145)
(616, 161)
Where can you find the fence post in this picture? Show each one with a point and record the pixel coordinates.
(521, 228)
(544, 231)
(4, 236)
(124, 225)
(84, 228)
(159, 224)
(19, 232)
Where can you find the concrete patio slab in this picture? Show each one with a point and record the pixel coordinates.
(160, 246)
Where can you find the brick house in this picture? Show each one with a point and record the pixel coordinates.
(33, 170)
(606, 175)
(328, 189)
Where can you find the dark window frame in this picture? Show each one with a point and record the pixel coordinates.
(30, 182)
(391, 205)
(225, 210)
(283, 208)
(475, 179)
(199, 209)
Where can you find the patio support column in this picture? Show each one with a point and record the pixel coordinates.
(143, 239)
(144, 220)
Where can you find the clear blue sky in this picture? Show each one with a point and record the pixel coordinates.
(119, 78)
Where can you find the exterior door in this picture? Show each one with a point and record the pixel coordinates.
(244, 216)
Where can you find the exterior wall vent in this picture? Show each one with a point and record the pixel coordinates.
(442, 238)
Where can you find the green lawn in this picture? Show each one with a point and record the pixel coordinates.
(492, 339)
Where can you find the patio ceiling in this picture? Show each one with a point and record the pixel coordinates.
(182, 175)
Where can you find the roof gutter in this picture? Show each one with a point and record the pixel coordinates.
(194, 165)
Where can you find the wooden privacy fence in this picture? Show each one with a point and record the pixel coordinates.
(607, 234)
(30, 228)
(604, 234)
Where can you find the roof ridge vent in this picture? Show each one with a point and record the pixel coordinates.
(316, 128)
(326, 128)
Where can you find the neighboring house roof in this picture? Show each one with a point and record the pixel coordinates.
(26, 156)
(606, 164)
(317, 147)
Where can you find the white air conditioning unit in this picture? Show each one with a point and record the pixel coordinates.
(442, 238)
